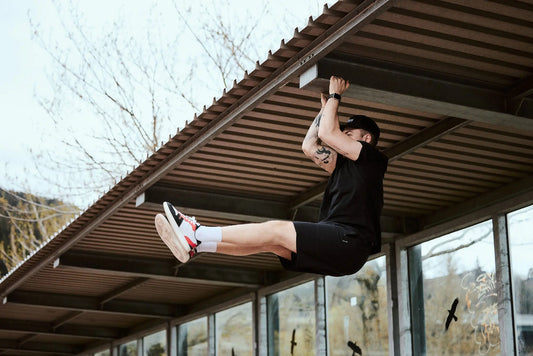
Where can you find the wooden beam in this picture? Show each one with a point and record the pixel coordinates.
(121, 290)
(92, 304)
(75, 330)
(424, 137)
(37, 348)
(417, 89)
(522, 188)
(220, 205)
(163, 269)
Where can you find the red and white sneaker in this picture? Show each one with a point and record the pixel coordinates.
(170, 239)
(184, 228)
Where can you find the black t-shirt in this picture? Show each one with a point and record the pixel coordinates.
(354, 194)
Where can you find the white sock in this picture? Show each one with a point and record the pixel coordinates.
(207, 247)
(209, 234)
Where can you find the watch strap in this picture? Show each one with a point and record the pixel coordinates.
(335, 96)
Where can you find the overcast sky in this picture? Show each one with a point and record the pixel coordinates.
(24, 66)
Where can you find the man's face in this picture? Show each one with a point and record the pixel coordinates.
(356, 134)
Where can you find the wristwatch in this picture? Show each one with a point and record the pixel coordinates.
(335, 96)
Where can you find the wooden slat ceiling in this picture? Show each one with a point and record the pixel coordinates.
(107, 274)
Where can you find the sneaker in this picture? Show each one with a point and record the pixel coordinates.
(184, 227)
(170, 239)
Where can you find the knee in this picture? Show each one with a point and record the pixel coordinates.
(280, 230)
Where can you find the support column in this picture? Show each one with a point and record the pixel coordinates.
(320, 310)
(211, 332)
(172, 340)
(262, 325)
(404, 303)
(503, 280)
(393, 302)
(416, 288)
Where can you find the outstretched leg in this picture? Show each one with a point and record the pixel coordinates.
(187, 236)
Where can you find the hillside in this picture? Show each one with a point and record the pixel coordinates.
(25, 221)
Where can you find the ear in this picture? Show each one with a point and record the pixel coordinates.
(367, 138)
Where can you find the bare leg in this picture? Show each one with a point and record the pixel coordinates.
(270, 233)
(245, 250)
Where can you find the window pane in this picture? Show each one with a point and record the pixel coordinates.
(454, 276)
(357, 311)
(129, 349)
(234, 331)
(192, 338)
(291, 321)
(155, 344)
(521, 244)
(103, 353)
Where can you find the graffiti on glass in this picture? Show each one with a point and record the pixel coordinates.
(482, 306)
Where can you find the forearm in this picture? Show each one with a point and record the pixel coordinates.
(311, 140)
(330, 120)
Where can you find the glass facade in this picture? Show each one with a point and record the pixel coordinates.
(234, 331)
(357, 313)
(291, 321)
(129, 349)
(155, 344)
(192, 338)
(453, 294)
(520, 225)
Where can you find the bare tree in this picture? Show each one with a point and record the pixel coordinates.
(117, 92)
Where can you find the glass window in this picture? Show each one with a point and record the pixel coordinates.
(103, 353)
(357, 311)
(155, 344)
(129, 349)
(192, 338)
(521, 244)
(234, 331)
(291, 321)
(453, 294)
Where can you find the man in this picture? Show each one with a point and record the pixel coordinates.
(348, 230)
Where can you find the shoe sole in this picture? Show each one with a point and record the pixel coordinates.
(179, 233)
(166, 234)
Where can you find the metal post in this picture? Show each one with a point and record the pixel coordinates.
(262, 325)
(404, 303)
(181, 334)
(416, 287)
(211, 331)
(272, 323)
(503, 280)
(320, 310)
(256, 317)
(392, 302)
(172, 340)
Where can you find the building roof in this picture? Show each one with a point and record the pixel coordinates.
(449, 82)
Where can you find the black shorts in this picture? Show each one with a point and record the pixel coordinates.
(327, 248)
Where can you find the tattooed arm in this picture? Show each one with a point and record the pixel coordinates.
(312, 146)
(345, 143)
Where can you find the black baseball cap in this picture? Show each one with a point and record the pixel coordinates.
(362, 122)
